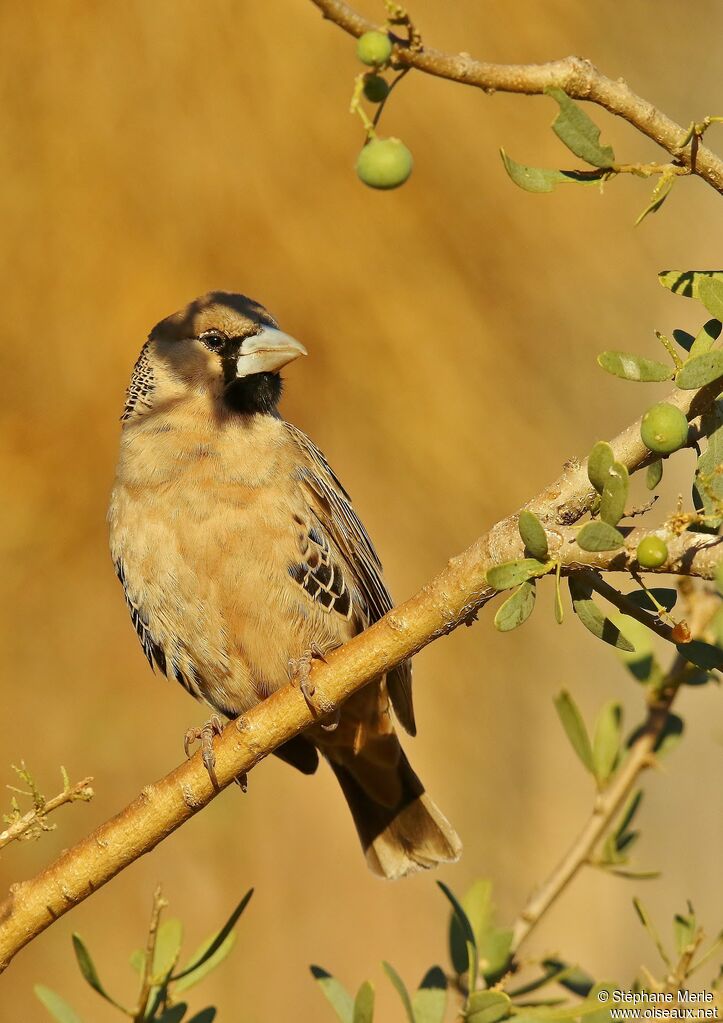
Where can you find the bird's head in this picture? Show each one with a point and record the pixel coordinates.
(222, 346)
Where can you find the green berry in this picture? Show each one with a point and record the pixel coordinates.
(664, 428)
(376, 88)
(384, 163)
(652, 552)
(374, 48)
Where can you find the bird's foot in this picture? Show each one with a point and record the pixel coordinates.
(205, 735)
(317, 703)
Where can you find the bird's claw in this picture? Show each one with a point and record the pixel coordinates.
(317, 703)
(205, 735)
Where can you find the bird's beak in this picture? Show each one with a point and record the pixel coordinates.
(267, 352)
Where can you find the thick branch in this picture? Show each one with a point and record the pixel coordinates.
(449, 600)
(578, 77)
(610, 802)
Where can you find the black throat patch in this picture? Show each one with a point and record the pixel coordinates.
(258, 393)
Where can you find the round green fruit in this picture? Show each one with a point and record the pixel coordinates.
(664, 428)
(376, 88)
(374, 48)
(652, 552)
(384, 163)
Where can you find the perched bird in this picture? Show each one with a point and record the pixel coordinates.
(241, 557)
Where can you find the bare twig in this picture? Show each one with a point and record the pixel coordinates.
(609, 803)
(34, 821)
(159, 904)
(446, 602)
(579, 79)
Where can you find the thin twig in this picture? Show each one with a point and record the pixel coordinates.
(621, 602)
(579, 79)
(159, 904)
(609, 803)
(36, 817)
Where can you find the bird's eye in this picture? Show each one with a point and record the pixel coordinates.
(213, 339)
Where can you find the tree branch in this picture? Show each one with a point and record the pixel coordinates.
(579, 79)
(609, 803)
(449, 600)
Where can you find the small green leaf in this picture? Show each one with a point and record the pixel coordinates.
(90, 974)
(592, 617)
(205, 964)
(575, 729)
(588, 1010)
(710, 292)
(703, 655)
(487, 1007)
(138, 960)
(429, 1002)
(599, 463)
(649, 927)
(606, 741)
(56, 1006)
(707, 335)
(401, 988)
(668, 739)
(599, 536)
(658, 196)
(572, 978)
(495, 947)
(542, 179)
(533, 534)
(708, 486)
(168, 944)
(700, 370)
(615, 494)
(175, 1014)
(476, 903)
(628, 816)
(671, 735)
(516, 609)
(336, 994)
(686, 282)
(578, 131)
(513, 573)
(204, 1016)
(603, 1015)
(633, 367)
(654, 474)
(462, 939)
(684, 930)
(364, 1004)
(664, 596)
(640, 661)
(684, 339)
(220, 943)
(559, 610)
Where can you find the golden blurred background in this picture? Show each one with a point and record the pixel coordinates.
(154, 149)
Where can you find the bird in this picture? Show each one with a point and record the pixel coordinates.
(242, 559)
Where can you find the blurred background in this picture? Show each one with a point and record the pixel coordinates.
(154, 150)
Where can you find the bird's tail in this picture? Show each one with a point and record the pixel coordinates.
(400, 828)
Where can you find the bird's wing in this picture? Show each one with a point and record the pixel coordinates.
(332, 506)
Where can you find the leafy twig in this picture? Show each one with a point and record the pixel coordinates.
(579, 79)
(610, 802)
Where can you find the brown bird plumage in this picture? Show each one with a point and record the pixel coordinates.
(239, 553)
